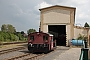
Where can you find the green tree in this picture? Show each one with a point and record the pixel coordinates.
(4, 28)
(1, 39)
(31, 31)
(19, 35)
(8, 33)
(11, 29)
(3, 36)
(82, 37)
(8, 28)
(16, 38)
(22, 32)
(86, 25)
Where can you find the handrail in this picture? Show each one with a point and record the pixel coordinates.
(81, 55)
(84, 52)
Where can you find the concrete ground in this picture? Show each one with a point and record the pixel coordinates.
(71, 54)
(62, 54)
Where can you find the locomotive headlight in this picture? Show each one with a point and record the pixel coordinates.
(45, 45)
(31, 44)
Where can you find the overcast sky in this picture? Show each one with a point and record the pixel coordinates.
(25, 14)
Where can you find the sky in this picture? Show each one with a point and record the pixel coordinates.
(25, 14)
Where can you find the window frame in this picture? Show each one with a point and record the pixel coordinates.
(45, 37)
(32, 37)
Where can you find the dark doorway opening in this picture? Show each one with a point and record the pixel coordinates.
(59, 32)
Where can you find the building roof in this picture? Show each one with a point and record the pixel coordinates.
(57, 6)
(60, 6)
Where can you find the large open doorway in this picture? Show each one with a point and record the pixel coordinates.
(59, 32)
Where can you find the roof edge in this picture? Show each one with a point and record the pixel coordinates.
(57, 6)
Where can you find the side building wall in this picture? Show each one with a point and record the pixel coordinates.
(82, 31)
(89, 37)
(79, 30)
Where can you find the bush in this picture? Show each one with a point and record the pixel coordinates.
(9, 37)
(82, 37)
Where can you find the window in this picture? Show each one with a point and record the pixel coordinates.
(45, 37)
(52, 39)
(31, 37)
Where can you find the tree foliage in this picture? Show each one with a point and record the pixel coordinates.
(86, 25)
(4, 28)
(21, 35)
(8, 33)
(31, 31)
(8, 28)
(82, 37)
(22, 32)
(11, 29)
(4, 36)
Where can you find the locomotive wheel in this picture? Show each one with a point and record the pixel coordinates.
(29, 49)
(46, 51)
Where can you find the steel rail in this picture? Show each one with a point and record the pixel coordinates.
(11, 50)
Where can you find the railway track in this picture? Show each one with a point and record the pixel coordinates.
(11, 50)
(28, 56)
(8, 43)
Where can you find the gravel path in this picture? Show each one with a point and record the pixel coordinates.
(71, 54)
(13, 54)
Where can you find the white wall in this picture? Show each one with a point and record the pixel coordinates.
(45, 28)
(56, 16)
(68, 32)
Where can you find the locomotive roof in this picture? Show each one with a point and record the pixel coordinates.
(50, 34)
(43, 33)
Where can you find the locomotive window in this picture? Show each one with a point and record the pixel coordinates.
(45, 37)
(31, 37)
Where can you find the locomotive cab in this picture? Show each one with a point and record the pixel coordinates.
(40, 42)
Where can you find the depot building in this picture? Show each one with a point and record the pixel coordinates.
(59, 21)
